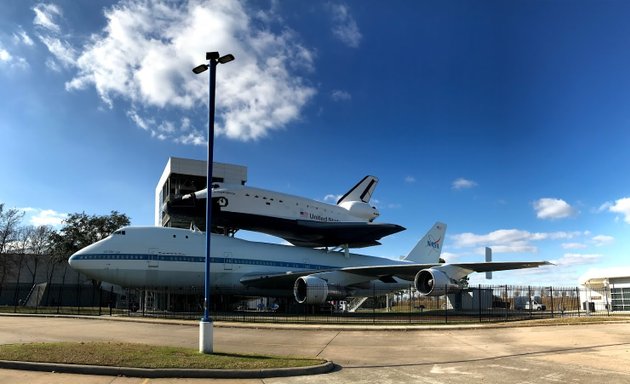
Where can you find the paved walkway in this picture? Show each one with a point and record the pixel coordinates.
(575, 354)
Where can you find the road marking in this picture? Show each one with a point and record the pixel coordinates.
(508, 367)
(448, 370)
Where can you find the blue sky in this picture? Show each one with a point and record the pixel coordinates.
(507, 120)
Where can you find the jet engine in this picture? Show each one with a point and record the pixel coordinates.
(314, 290)
(360, 209)
(433, 282)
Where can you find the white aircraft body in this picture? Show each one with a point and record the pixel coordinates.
(300, 221)
(159, 257)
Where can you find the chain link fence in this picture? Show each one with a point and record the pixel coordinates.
(74, 294)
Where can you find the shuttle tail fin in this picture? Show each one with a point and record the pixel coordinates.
(429, 248)
(360, 192)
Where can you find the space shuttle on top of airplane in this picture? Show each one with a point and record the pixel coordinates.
(300, 221)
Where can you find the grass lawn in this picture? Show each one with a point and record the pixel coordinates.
(143, 356)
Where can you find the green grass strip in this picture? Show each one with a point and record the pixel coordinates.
(143, 356)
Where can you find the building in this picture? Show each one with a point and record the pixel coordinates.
(184, 176)
(606, 289)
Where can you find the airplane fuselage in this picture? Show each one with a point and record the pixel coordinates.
(158, 257)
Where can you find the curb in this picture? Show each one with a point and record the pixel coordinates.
(319, 327)
(168, 372)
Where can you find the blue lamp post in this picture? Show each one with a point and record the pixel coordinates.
(205, 326)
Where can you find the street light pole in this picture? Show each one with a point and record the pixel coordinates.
(205, 325)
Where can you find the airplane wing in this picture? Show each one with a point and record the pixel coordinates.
(331, 234)
(500, 265)
(382, 272)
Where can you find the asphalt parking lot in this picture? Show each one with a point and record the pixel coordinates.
(551, 354)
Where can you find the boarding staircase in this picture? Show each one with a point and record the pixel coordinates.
(35, 295)
(355, 303)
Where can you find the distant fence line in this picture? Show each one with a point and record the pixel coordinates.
(482, 303)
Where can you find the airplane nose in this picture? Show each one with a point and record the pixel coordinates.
(77, 259)
(73, 260)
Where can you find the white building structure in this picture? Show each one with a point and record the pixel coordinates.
(606, 288)
(183, 176)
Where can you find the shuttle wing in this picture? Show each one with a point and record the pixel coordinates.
(331, 234)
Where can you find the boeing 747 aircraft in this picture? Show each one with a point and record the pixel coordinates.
(158, 257)
(300, 221)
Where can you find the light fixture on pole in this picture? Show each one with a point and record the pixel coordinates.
(205, 326)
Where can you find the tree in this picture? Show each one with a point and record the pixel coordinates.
(33, 245)
(9, 221)
(80, 230)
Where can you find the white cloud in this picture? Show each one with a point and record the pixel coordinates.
(140, 121)
(450, 257)
(11, 61)
(46, 15)
(573, 245)
(332, 198)
(550, 208)
(509, 240)
(514, 247)
(621, 206)
(601, 240)
(60, 49)
(5, 55)
(573, 259)
(345, 28)
(145, 53)
(339, 95)
(410, 179)
(604, 207)
(37, 217)
(21, 37)
(462, 183)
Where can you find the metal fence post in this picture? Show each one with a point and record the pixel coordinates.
(607, 292)
(529, 299)
(410, 300)
(100, 299)
(16, 292)
(551, 293)
(445, 304)
(373, 303)
(479, 294)
(78, 294)
(577, 292)
(63, 286)
(506, 303)
(36, 296)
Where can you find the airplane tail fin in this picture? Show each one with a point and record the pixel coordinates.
(360, 192)
(429, 248)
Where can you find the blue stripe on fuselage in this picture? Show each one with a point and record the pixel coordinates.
(200, 259)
